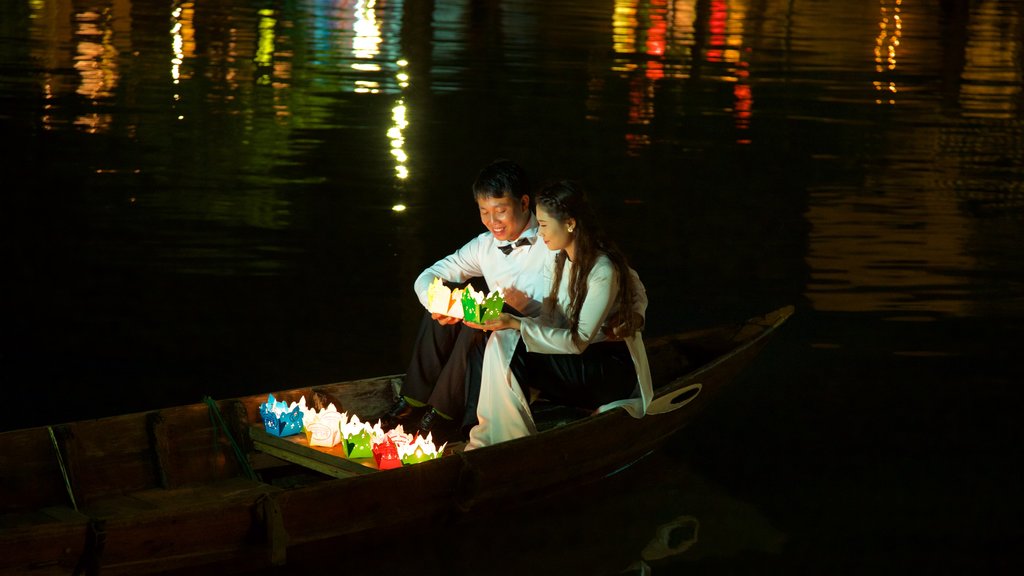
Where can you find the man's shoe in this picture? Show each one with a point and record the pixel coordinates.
(400, 412)
(440, 428)
(428, 421)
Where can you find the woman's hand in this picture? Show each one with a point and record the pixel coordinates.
(615, 326)
(504, 321)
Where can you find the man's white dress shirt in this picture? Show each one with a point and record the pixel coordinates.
(524, 268)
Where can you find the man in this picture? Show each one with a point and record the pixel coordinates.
(507, 257)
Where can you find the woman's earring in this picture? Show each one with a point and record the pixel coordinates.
(570, 229)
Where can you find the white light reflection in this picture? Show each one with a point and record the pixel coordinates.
(366, 43)
(366, 51)
(367, 87)
(396, 134)
(183, 38)
(183, 43)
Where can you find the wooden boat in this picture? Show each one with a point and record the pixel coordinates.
(205, 485)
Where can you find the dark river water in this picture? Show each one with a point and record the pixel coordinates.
(205, 197)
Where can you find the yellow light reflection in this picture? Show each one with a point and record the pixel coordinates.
(47, 23)
(265, 46)
(890, 29)
(624, 26)
(96, 59)
(396, 134)
(993, 63)
(857, 264)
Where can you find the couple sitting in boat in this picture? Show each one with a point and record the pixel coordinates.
(569, 329)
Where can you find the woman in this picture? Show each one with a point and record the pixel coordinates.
(569, 353)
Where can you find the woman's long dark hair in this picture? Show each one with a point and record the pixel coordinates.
(564, 199)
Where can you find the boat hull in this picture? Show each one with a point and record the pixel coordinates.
(190, 486)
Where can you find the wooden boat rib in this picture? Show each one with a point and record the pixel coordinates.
(204, 484)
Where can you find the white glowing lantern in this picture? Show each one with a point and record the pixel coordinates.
(443, 300)
(323, 428)
(397, 435)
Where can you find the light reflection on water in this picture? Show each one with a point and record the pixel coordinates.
(212, 192)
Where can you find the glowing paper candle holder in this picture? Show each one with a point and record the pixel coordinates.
(420, 450)
(443, 300)
(281, 418)
(398, 436)
(357, 438)
(493, 304)
(323, 428)
(386, 454)
(478, 308)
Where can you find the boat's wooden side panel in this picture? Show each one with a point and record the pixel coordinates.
(166, 448)
(197, 448)
(109, 455)
(49, 541)
(30, 474)
(164, 529)
(389, 497)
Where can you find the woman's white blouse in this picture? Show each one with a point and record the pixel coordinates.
(552, 334)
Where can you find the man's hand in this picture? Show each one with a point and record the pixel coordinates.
(515, 298)
(443, 319)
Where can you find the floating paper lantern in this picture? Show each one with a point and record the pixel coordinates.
(443, 300)
(281, 418)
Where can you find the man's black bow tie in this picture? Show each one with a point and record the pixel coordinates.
(507, 248)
